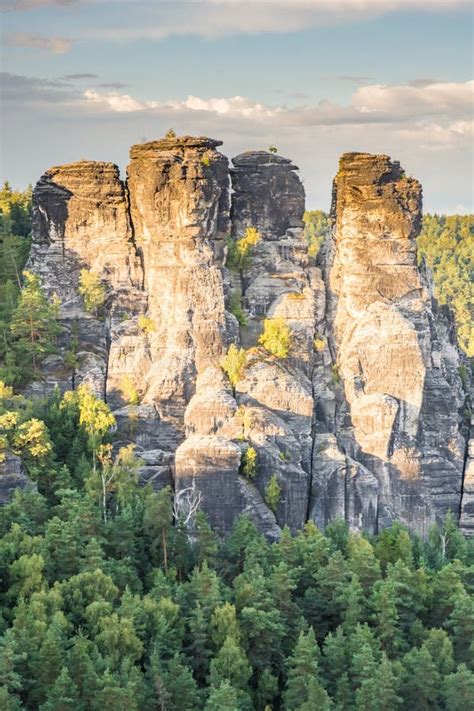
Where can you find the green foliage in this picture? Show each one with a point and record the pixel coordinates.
(316, 229)
(239, 252)
(92, 291)
(249, 466)
(446, 243)
(15, 211)
(273, 492)
(233, 364)
(170, 133)
(32, 333)
(276, 337)
(235, 307)
(105, 603)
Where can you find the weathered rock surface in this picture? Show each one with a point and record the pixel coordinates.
(362, 420)
(12, 477)
(402, 413)
(81, 221)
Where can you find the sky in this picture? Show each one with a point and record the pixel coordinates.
(315, 78)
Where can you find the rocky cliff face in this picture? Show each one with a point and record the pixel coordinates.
(402, 406)
(362, 420)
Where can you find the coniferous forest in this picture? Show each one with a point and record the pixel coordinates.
(108, 601)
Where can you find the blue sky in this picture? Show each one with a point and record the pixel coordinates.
(87, 78)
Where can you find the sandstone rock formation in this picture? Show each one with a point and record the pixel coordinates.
(362, 420)
(402, 411)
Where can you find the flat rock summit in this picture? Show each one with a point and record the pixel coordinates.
(363, 420)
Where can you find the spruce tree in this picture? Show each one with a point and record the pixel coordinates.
(303, 684)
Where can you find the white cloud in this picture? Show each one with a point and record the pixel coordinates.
(57, 45)
(217, 18)
(438, 98)
(424, 108)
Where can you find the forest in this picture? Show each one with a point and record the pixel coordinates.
(109, 601)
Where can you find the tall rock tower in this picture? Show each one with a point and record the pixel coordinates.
(393, 352)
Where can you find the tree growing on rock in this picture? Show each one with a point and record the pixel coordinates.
(233, 364)
(92, 291)
(249, 463)
(273, 492)
(239, 252)
(34, 327)
(276, 337)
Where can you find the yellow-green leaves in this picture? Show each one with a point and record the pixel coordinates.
(32, 439)
(145, 324)
(239, 251)
(233, 364)
(249, 463)
(92, 291)
(276, 337)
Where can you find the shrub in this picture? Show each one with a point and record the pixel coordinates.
(239, 251)
(129, 391)
(249, 464)
(319, 344)
(233, 364)
(170, 133)
(205, 160)
(145, 324)
(276, 337)
(273, 493)
(336, 376)
(92, 291)
(235, 308)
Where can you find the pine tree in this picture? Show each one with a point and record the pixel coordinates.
(378, 690)
(303, 684)
(34, 326)
(226, 698)
(63, 695)
(458, 689)
(421, 681)
(230, 664)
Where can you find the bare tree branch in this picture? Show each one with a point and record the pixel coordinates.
(186, 503)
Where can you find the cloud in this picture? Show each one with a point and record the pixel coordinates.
(112, 85)
(372, 104)
(218, 18)
(57, 45)
(25, 90)
(352, 78)
(20, 5)
(85, 75)
(407, 101)
(422, 81)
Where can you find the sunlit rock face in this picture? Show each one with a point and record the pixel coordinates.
(363, 418)
(81, 221)
(393, 354)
